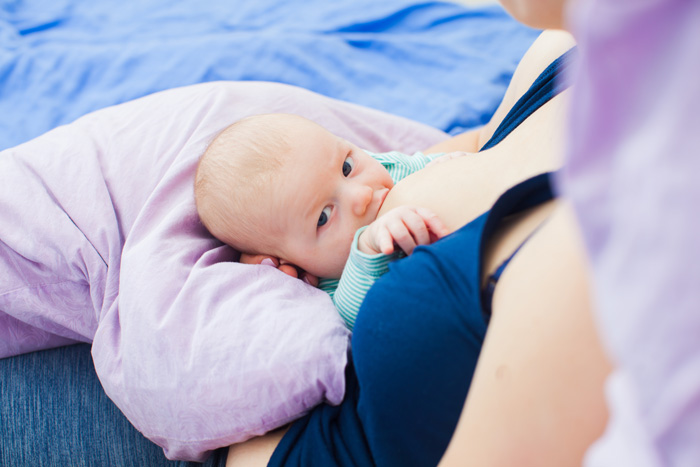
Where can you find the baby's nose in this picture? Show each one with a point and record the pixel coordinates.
(361, 199)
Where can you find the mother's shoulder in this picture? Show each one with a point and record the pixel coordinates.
(547, 47)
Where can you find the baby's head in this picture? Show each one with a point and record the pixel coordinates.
(282, 185)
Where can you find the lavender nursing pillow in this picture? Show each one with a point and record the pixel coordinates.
(197, 350)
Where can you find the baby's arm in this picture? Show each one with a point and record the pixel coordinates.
(360, 273)
(373, 249)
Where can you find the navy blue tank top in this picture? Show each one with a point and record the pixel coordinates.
(417, 339)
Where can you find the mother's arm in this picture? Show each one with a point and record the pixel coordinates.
(547, 47)
(255, 452)
(537, 394)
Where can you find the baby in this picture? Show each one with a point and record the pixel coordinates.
(282, 186)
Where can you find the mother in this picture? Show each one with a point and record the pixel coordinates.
(536, 396)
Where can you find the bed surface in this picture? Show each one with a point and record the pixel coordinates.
(442, 64)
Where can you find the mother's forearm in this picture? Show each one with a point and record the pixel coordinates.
(256, 451)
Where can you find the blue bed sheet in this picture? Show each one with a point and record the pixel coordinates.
(439, 63)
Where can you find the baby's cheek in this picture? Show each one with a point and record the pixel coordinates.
(339, 259)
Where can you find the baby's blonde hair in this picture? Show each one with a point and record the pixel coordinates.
(240, 164)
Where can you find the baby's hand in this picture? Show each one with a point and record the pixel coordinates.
(447, 157)
(287, 268)
(404, 226)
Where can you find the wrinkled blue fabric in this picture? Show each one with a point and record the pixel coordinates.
(439, 63)
(53, 412)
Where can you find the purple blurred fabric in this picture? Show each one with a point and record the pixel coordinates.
(100, 241)
(633, 174)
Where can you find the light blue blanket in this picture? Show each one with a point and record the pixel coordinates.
(439, 63)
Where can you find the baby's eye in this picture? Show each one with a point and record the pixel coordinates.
(348, 165)
(325, 215)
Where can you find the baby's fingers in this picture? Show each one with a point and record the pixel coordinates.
(433, 222)
(402, 235)
(417, 227)
(289, 270)
(266, 260)
(385, 241)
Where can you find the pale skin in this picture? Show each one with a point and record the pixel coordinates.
(330, 188)
(537, 394)
(403, 227)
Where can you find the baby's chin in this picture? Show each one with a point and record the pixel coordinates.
(330, 275)
(331, 268)
(327, 273)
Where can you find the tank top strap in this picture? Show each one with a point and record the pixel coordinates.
(547, 85)
(529, 193)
